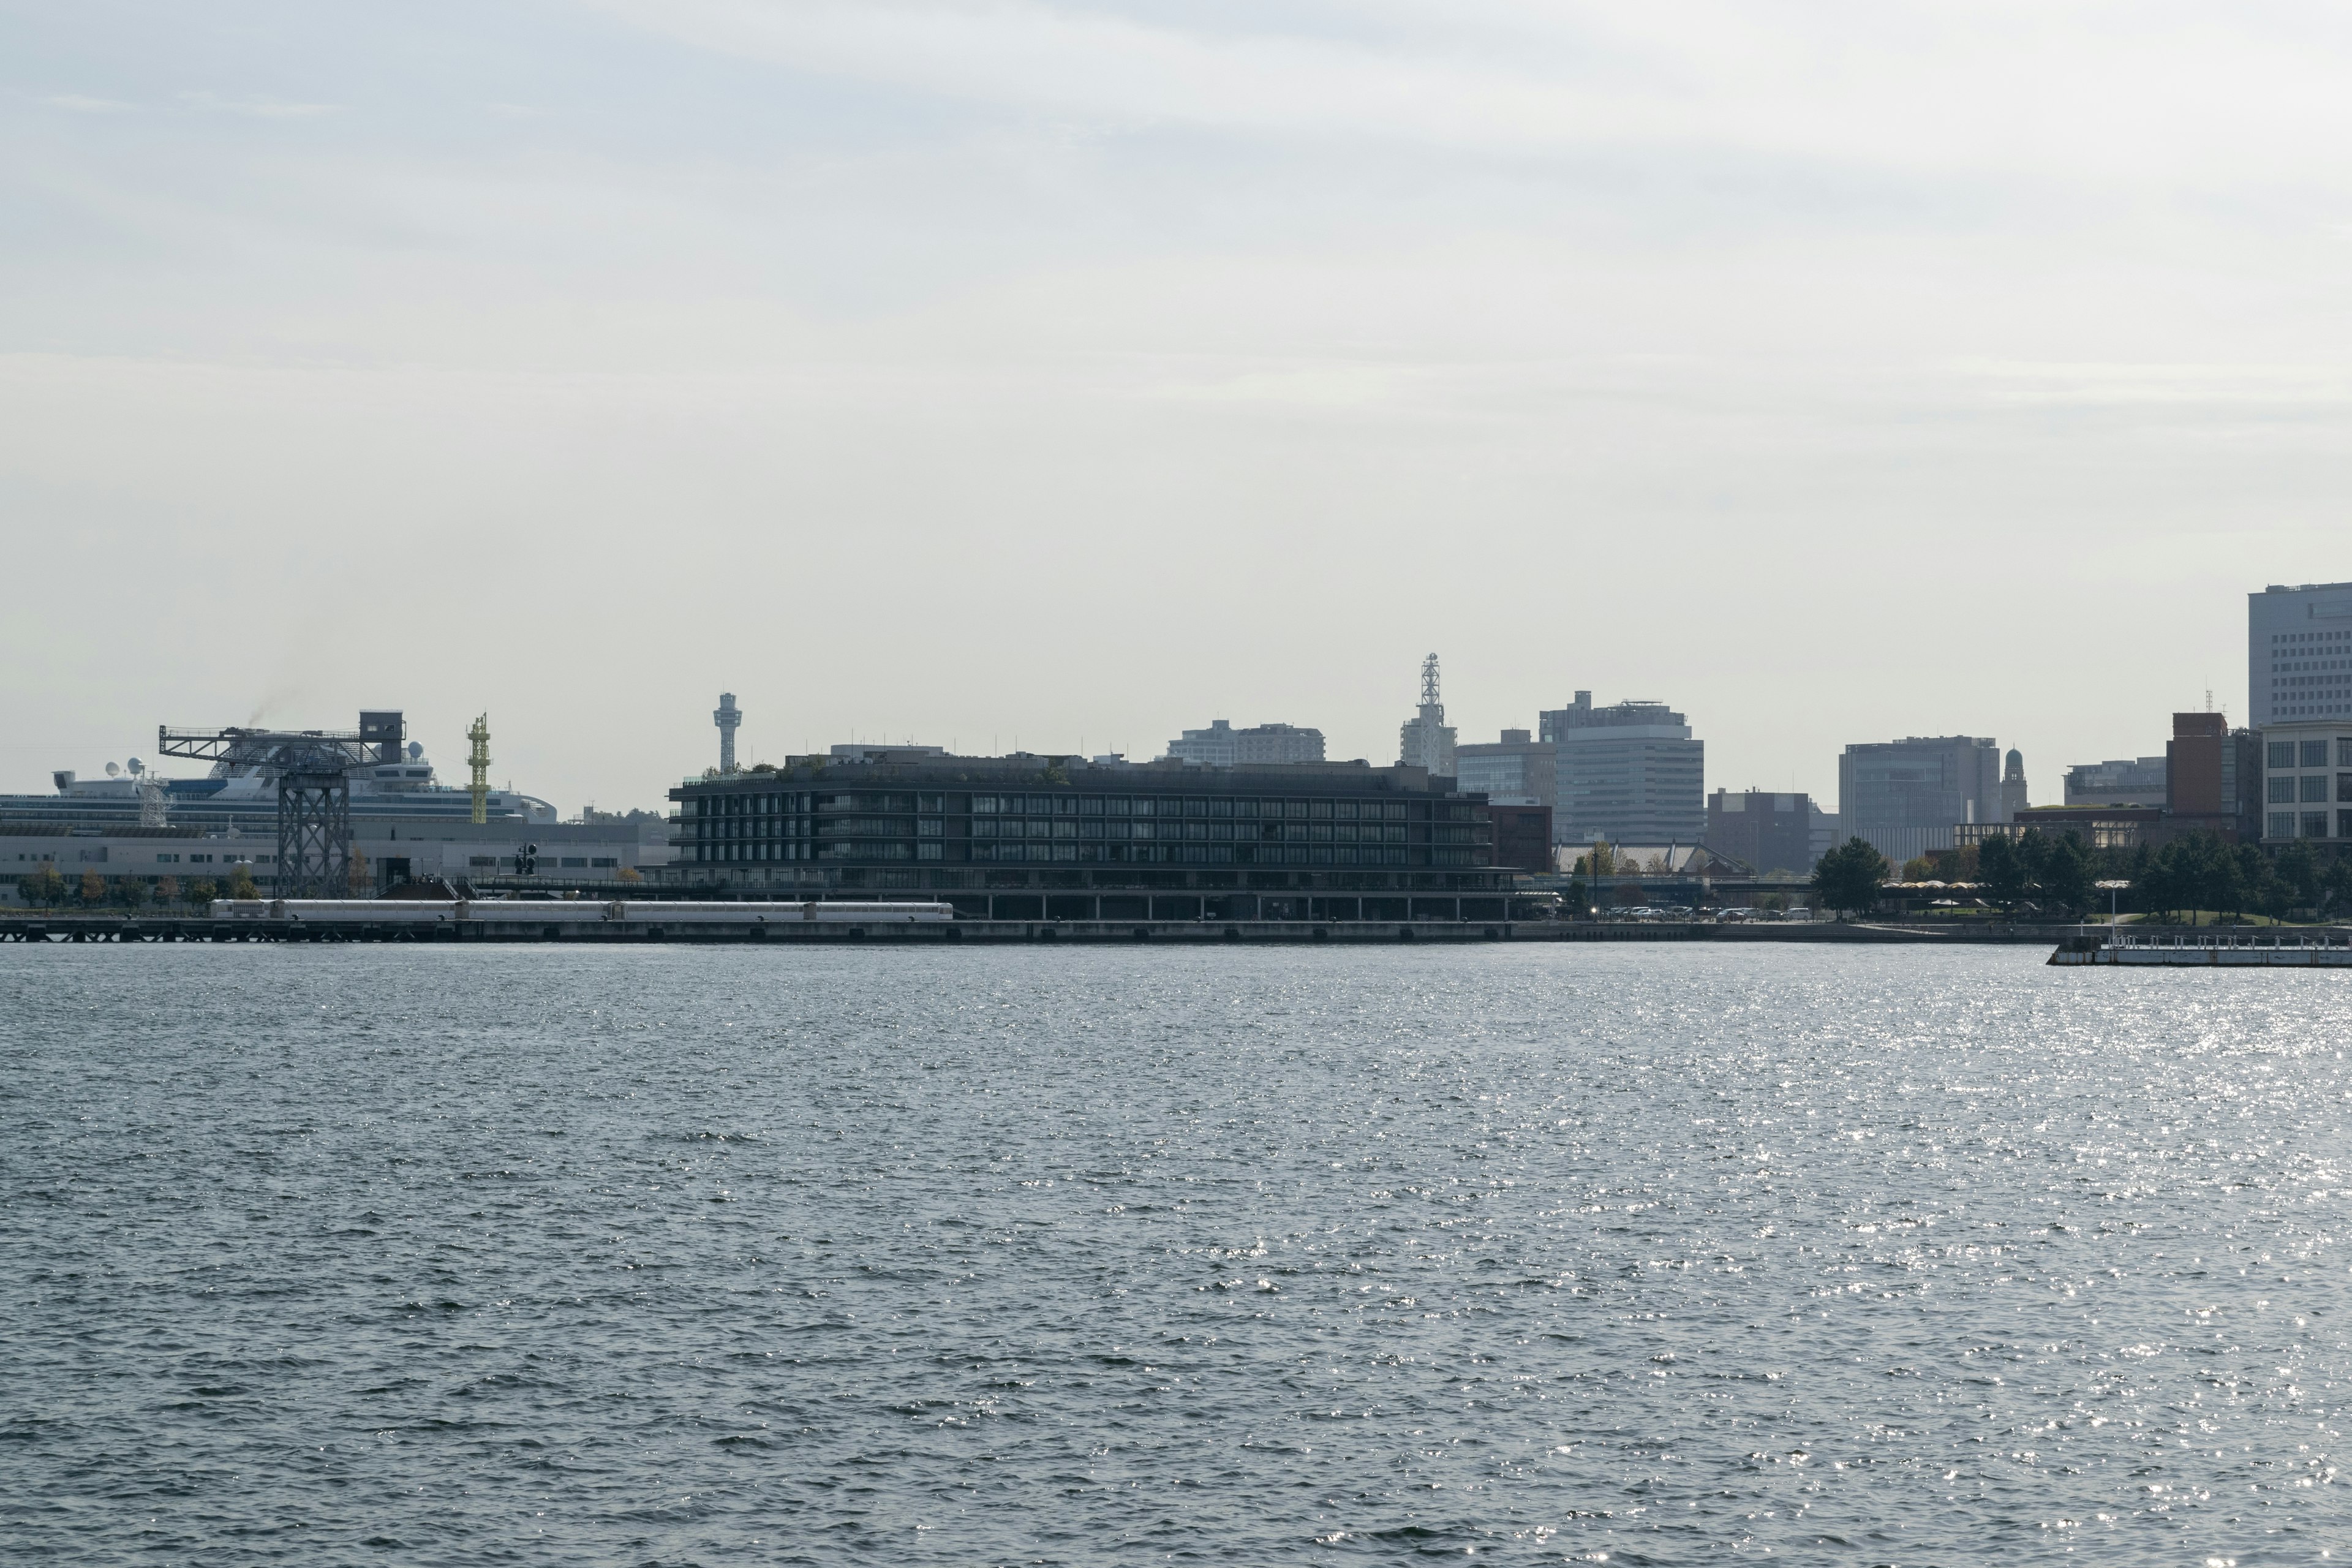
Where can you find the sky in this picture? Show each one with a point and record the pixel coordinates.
(1064, 375)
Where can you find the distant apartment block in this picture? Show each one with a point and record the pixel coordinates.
(1630, 774)
(2307, 780)
(2130, 781)
(1222, 746)
(2299, 653)
(1767, 831)
(1904, 797)
(1518, 770)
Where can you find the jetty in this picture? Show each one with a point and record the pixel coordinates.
(2329, 947)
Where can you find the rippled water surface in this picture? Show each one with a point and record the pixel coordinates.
(658, 1256)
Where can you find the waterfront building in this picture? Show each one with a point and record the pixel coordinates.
(1426, 740)
(384, 852)
(1516, 770)
(2129, 781)
(1630, 773)
(1764, 830)
(1222, 746)
(1036, 837)
(2299, 653)
(1904, 797)
(2012, 784)
(2098, 826)
(2306, 780)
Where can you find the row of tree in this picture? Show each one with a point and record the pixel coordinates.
(2060, 874)
(2199, 872)
(44, 888)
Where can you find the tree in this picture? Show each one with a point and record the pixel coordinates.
(2001, 869)
(131, 890)
(43, 887)
(240, 882)
(2032, 858)
(2335, 882)
(2300, 876)
(1848, 877)
(628, 874)
(167, 889)
(201, 892)
(357, 876)
(93, 889)
(1918, 869)
(2225, 888)
(2066, 873)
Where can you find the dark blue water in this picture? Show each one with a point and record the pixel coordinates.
(422, 1256)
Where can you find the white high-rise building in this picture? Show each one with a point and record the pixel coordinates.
(1426, 740)
(2298, 653)
(1222, 746)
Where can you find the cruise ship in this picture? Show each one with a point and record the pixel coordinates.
(134, 824)
(245, 797)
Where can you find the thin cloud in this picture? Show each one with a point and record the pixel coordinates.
(1997, 86)
(257, 108)
(79, 104)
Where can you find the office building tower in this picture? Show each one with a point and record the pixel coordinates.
(1765, 831)
(1426, 740)
(2299, 653)
(1222, 746)
(1630, 774)
(2212, 778)
(1904, 797)
(2012, 784)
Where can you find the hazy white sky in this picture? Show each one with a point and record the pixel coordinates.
(1079, 373)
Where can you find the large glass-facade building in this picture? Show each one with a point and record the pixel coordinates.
(1906, 797)
(1028, 837)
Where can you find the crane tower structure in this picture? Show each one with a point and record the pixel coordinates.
(314, 789)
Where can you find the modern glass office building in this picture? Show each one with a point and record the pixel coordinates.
(1059, 837)
(1906, 797)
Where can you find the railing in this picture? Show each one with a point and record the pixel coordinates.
(2187, 941)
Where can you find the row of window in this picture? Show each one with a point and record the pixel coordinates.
(2314, 824)
(2314, 754)
(2287, 788)
(1059, 851)
(1298, 832)
(804, 803)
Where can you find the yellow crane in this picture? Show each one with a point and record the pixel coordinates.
(480, 760)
